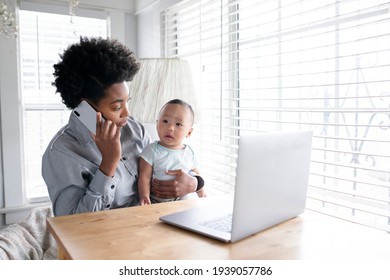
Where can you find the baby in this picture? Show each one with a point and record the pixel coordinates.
(174, 124)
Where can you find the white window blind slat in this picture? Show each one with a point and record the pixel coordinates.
(351, 192)
(282, 65)
(351, 204)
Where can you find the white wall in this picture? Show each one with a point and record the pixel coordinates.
(148, 26)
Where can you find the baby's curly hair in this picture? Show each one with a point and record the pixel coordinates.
(89, 67)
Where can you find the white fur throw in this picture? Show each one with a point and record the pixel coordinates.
(29, 239)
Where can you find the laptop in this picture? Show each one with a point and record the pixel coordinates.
(271, 187)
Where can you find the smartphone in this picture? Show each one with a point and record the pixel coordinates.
(87, 115)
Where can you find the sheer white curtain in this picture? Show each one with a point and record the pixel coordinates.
(158, 81)
(289, 65)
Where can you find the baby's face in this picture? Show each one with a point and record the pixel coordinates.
(174, 125)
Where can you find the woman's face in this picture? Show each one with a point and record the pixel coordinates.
(113, 105)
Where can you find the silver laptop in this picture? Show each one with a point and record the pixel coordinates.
(271, 187)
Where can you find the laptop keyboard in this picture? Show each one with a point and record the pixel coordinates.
(223, 223)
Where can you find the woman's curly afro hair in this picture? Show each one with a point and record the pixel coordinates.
(89, 67)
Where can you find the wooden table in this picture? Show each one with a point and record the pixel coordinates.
(137, 233)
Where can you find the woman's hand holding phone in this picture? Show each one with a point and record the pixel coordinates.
(105, 133)
(107, 139)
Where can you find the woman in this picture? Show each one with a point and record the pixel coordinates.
(86, 172)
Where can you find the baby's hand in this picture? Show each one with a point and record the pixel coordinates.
(144, 201)
(201, 193)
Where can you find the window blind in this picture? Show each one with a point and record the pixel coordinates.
(43, 36)
(294, 65)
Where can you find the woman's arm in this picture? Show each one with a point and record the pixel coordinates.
(182, 184)
(75, 183)
(74, 187)
(200, 192)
